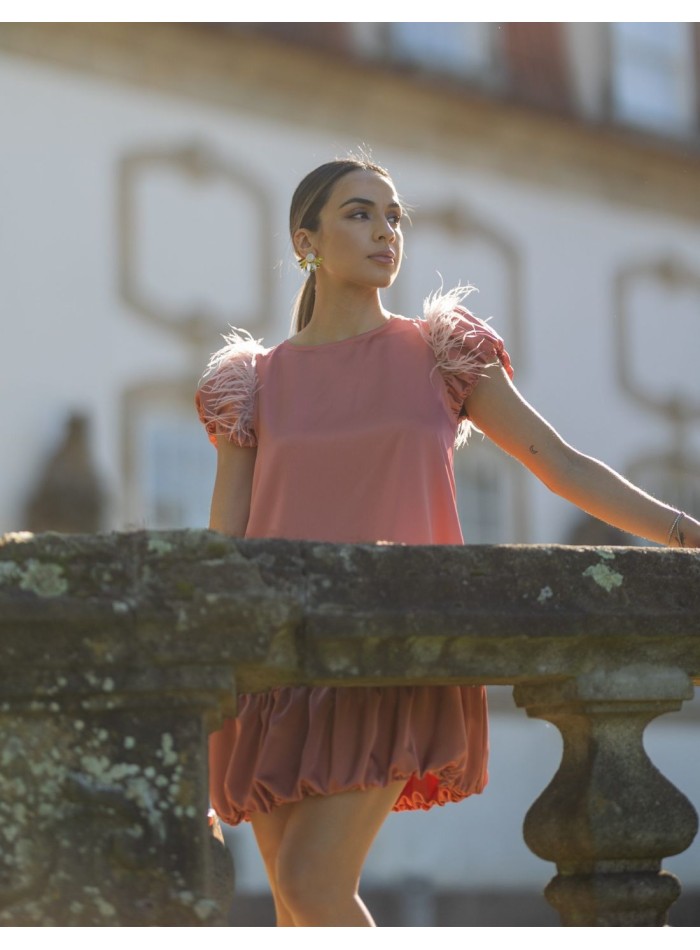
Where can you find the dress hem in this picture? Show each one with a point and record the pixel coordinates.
(413, 802)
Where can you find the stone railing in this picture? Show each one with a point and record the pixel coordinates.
(118, 653)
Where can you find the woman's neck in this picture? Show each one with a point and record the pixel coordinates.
(339, 315)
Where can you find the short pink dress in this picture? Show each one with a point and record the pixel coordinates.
(355, 443)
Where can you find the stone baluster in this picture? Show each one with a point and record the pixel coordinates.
(609, 817)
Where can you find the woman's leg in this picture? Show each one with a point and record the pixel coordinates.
(269, 832)
(323, 845)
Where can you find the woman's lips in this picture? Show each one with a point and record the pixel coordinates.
(382, 258)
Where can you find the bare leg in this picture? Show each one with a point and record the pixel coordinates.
(323, 846)
(269, 832)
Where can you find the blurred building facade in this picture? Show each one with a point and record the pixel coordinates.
(147, 172)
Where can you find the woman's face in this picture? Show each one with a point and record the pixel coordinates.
(359, 236)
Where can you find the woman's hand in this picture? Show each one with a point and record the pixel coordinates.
(500, 412)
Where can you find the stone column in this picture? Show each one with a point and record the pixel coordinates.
(609, 817)
(103, 804)
(114, 667)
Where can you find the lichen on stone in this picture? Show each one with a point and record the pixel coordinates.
(44, 580)
(545, 594)
(603, 576)
(159, 546)
(167, 750)
(8, 572)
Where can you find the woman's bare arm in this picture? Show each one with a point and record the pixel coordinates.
(230, 503)
(497, 408)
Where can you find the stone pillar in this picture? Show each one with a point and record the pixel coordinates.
(609, 817)
(116, 660)
(103, 800)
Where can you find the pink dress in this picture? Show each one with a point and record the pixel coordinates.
(354, 443)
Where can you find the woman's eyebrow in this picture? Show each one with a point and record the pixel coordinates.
(366, 201)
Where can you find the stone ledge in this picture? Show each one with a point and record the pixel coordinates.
(304, 612)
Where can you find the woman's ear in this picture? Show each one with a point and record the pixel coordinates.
(302, 242)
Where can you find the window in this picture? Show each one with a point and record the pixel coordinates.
(482, 493)
(653, 75)
(177, 465)
(464, 49)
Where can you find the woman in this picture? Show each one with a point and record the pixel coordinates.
(345, 433)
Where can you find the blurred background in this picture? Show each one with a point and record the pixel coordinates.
(146, 174)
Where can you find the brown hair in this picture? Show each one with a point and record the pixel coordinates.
(308, 201)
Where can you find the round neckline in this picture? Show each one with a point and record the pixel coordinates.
(348, 339)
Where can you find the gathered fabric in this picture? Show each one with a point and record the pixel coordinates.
(297, 741)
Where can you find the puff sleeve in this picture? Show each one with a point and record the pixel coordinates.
(464, 346)
(225, 397)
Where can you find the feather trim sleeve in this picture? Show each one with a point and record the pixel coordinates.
(225, 396)
(464, 347)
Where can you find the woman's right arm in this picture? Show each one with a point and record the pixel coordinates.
(230, 503)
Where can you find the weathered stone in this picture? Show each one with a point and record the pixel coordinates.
(103, 816)
(608, 817)
(119, 652)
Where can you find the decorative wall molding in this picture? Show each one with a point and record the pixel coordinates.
(194, 161)
(672, 273)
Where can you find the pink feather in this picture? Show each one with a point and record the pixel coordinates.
(226, 393)
(464, 347)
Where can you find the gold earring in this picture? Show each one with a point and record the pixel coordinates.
(310, 263)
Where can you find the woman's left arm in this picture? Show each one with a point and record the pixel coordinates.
(496, 407)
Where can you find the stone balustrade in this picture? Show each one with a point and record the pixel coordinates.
(118, 653)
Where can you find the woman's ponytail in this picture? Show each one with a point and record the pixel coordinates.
(304, 304)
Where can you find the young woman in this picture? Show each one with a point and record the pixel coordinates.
(345, 433)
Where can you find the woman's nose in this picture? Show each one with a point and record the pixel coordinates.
(387, 231)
